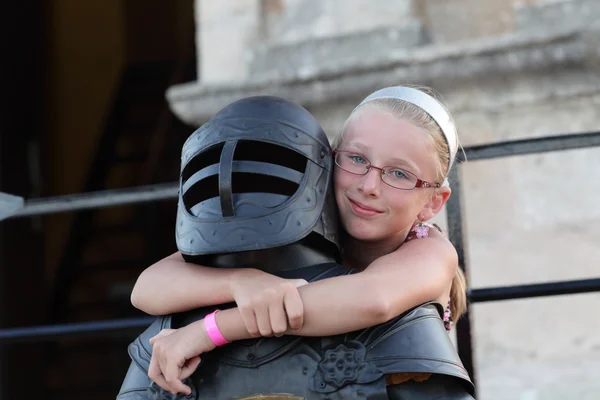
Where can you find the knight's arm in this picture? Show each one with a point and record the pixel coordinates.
(436, 387)
(172, 285)
(418, 272)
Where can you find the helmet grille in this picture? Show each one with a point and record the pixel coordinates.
(257, 167)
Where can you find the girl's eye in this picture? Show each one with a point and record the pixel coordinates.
(398, 174)
(357, 159)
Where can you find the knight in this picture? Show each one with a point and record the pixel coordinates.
(256, 192)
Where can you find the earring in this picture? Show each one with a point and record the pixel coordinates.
(421, 229)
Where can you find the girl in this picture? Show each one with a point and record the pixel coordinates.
(392, 158)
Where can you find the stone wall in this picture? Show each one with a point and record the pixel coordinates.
(507, 70)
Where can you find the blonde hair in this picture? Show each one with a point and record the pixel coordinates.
(458, 295)
(417, 116)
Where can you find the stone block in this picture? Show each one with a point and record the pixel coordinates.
(225, 31)
(301, 20)
(563, 13)
(459, 20)
(297, 60)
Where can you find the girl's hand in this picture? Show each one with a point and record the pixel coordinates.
(176, 355)
(269, 305)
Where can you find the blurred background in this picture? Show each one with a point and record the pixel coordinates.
(101, 94)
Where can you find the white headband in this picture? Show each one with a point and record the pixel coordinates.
(428, 104)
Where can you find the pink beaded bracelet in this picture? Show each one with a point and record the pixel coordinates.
(213, 330)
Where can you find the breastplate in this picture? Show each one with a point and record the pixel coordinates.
(350, 366)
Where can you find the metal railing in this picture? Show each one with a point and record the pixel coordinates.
(456, 218)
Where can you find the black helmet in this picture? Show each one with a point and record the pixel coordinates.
(256, 176)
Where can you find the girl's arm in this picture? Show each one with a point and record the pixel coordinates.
(418, 272)
(172, 285)
(421, 271)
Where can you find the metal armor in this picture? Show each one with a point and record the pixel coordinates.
(257, 176)
(255, 191)
(350, 366)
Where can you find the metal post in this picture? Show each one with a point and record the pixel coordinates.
(456, 234)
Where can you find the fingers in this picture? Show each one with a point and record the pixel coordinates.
(165, 370)
(156, 375)
(273, 310)
(178, 386)
(189, 367)
(294, 308)
(250, 321)
(154, 370)
(164, 332)
(278, 319)
(263, 321)
(173, 369)
(174, 386)
(160, 381)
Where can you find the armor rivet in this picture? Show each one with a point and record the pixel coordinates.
(250, 356)
(323, 153)
(322, 385)
(304, 371)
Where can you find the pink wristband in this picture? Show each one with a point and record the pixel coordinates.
(213, 330)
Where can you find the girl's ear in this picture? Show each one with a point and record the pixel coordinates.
(435, 204)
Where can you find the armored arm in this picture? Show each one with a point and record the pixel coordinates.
(437, 387)
(417, 343)
(135, 385)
